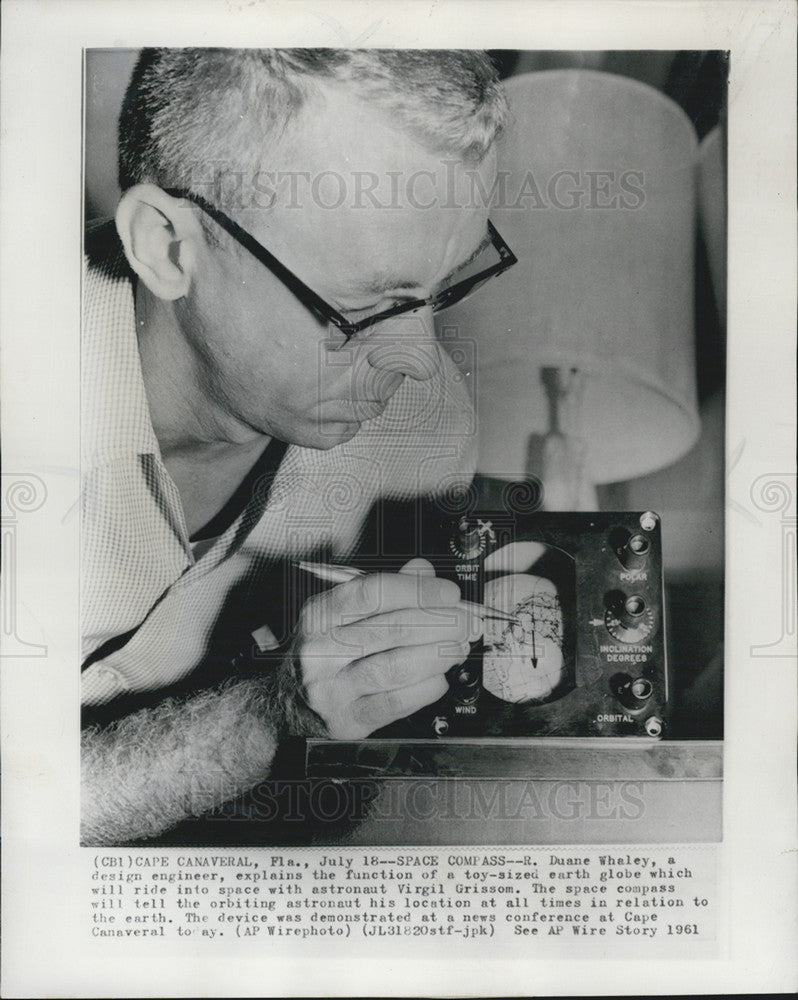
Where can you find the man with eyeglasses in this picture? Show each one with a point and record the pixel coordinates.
(260, 367)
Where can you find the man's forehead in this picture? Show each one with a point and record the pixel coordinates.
(376, 250)
(342, 150)
(369, 201)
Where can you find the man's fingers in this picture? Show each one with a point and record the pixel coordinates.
(373, 711)
(377, 593)
(403, 667)
(411, 627)
(421, 567)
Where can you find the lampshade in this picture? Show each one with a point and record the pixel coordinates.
(712, 210)
(596, 197)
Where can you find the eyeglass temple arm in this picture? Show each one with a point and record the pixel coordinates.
(287, 277)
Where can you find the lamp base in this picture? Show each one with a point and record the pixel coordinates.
(558, 462)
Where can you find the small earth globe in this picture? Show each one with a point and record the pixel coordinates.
(523, 660)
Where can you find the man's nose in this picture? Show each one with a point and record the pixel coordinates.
(405, 345)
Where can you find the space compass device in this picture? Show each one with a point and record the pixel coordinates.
(573, 643)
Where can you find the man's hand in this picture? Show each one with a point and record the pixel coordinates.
(375, 649)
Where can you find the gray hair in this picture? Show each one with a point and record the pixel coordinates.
(186, 107)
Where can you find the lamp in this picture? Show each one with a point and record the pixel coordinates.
(584, 362)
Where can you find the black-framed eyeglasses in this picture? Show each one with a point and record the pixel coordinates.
(444, 298)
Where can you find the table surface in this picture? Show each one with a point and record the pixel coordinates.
(541, 791)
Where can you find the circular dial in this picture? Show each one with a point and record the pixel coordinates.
(631, 621)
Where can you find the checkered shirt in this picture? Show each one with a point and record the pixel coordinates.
(139, 571)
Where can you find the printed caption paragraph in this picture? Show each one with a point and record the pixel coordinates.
(652, 901)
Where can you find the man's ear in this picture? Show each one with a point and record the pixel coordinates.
(160, 235)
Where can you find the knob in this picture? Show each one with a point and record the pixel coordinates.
(641, 688)
(631, 611)
(632, 693)
(469, 541)
(467, 695)
(467, 675)
(629, 619)
(634, 552)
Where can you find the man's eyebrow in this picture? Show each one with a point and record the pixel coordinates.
(390, 281)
